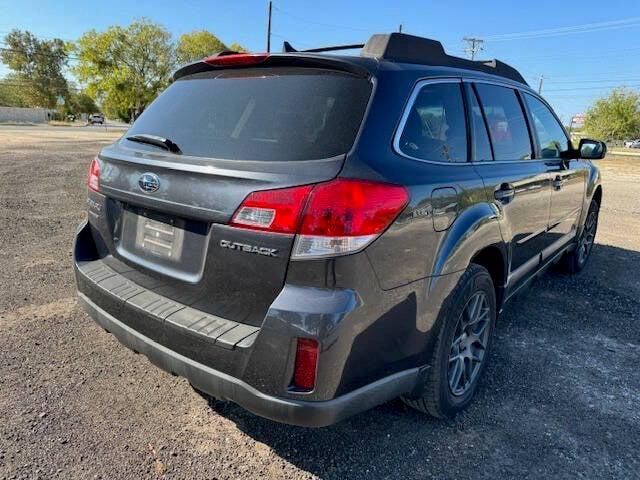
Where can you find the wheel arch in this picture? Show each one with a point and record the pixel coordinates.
(494, 259)
(475, 229)
(597, 195)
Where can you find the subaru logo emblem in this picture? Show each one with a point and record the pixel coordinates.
(149, 182)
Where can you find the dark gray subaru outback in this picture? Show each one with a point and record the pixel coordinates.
(309, 235)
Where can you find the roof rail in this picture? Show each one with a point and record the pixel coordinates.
(400, 47)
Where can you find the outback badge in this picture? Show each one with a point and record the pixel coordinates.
(243, 247)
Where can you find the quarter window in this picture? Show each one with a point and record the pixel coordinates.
(435, 128)
(549, 132)
(506, 122)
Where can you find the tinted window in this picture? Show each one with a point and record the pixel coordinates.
(259, 114)
(550, 134)
(506, 122)
(435, 128)
(481, 145)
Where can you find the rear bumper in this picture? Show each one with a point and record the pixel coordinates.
(227, 387)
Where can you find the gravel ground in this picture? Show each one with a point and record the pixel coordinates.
(560, 398)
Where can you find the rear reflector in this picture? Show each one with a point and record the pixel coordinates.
(236, 59)
(333, 218)
(304, 374)
(93, 181)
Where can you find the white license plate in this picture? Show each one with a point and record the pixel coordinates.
(159, 239)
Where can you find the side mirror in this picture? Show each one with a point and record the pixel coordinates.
(592, 149)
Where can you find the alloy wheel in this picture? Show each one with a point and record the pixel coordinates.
(469, 344)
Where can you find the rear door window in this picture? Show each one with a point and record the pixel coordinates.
(435, 128)
(506, 122)
(277, 114)
(551, 137)
(481, 145)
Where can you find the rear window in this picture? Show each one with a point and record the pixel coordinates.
(283, 114)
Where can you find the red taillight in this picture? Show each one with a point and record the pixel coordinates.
(350, 208)
(93, 181)
(304, 374)
(333, 218)
(236, 59)
(272, 210)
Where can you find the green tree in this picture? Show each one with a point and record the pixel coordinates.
(125, 68)
(197, 45)
(38, 65)
(615, 117)
(236, 47)
(77, 103)
(12, 93)
(84, 103)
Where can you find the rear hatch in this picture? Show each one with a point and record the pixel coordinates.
(232, 132)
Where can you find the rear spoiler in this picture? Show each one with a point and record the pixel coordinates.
(261, 60)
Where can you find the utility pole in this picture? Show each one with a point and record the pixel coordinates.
(269, 28)
(540, 84)
(400, 28)
(475, 46)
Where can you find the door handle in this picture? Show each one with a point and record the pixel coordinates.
(558, 182)
(505, 193)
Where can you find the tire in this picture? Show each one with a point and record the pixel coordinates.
(442, 396)
(574, 261)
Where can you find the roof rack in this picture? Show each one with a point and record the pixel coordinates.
(288, 48)
(400, 47)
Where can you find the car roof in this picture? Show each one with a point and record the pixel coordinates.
(382, 52)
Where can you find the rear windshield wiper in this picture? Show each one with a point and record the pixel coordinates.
(155, 140)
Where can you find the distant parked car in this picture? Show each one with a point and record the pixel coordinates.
(96, 118)
(632, 143)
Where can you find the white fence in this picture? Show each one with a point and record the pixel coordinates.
(26, 115)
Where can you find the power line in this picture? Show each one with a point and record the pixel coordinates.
(580, 54)
(551, 32)
(602, 80)
(40, 54)
(603, 87)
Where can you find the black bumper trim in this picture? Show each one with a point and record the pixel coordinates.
(225, 333)
(226, 387)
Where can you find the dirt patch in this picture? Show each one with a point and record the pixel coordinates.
(62, 307)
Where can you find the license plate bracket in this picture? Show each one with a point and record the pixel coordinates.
(159, 239)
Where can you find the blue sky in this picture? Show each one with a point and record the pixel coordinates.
(599, 51)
